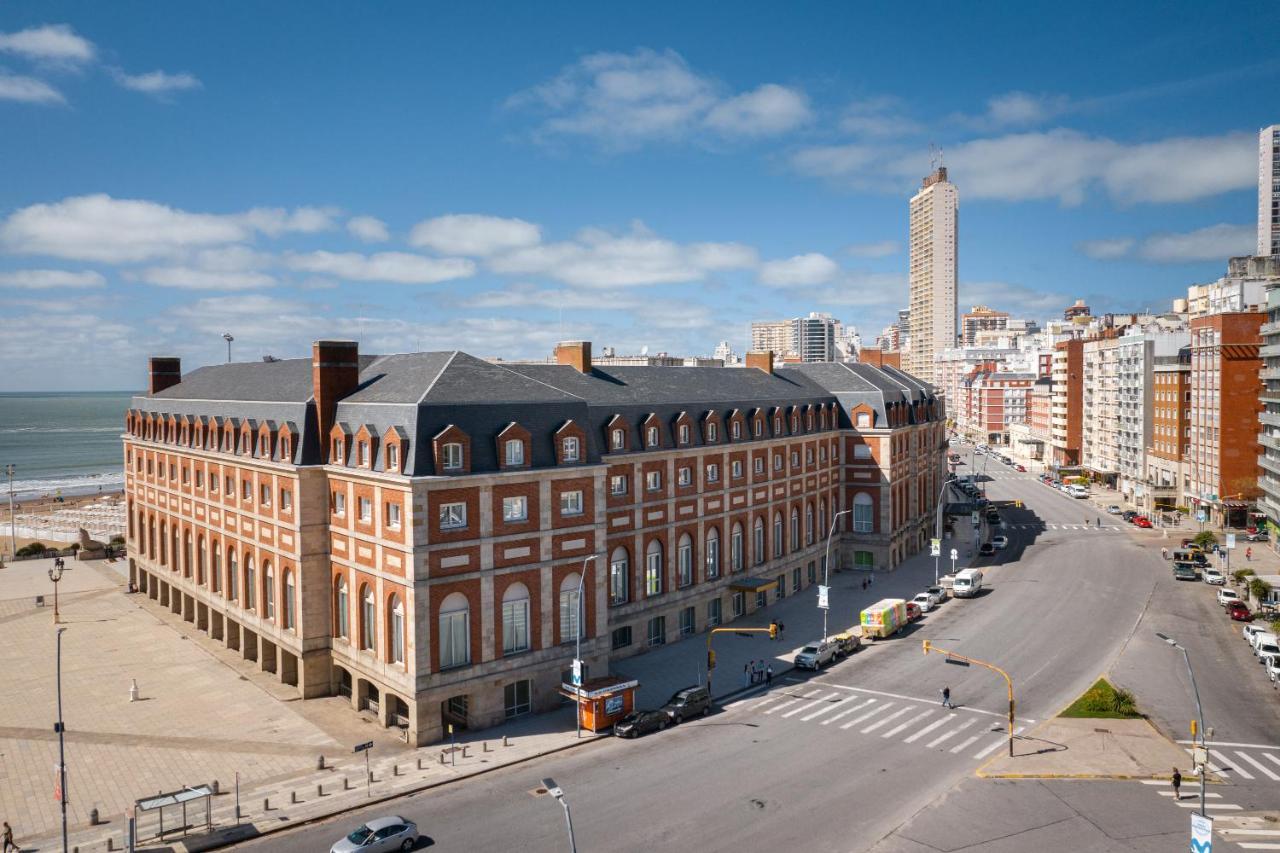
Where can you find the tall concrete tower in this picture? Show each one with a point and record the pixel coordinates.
(935, 211)
(1269, 190)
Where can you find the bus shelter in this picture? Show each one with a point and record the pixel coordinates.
(174, 799)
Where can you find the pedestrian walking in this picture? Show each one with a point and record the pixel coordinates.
(946, 698)
(1248, 554)
(768, 674)
(1177, 784)
(746, 675)
(1097, 522)
(782, 629)
(8, 839)
(864, 584)
(752, 666)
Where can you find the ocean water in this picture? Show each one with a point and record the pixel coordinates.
(62, 442)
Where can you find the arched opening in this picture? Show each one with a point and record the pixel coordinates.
(368, 618)
(341, 609)
(684, 560)
(455, 631)
(515, 619)
(713, 553)
(570, 608)
(619, 576)
(395, 622)
(653, 568)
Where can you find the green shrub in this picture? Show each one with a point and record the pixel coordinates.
(116, 540)
(1102, 700)
(1205, 538)
(33, 549)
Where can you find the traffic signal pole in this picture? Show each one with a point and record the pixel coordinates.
(930, 647)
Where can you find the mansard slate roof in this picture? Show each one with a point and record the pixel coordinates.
(420, 394)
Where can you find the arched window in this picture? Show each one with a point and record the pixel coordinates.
(777, 534)
(822, 515)
(395, 611)
(186, 555)
(808, 524)
(455, 631)
(290, 612)
(164, 539)
(173, 551)
(368, 618)
(795, 529)
(341, 609)
(570, 608)
(863, 513)
(653, 568)
(215, 565)
(619, 576)
(200, 561)
(250, 591)
(151, 541)
(684, 560)
(515, 619)
(713, 553)
(268, 590)
(233, 576)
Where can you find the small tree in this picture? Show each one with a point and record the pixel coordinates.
(1205, 539)
(116, 540)
(1241, 577)
(1259, 589)
(1185, 510)
(1275, 624)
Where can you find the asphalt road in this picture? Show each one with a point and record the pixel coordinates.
(838, 760)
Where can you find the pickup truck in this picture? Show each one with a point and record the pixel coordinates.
(1185, 571)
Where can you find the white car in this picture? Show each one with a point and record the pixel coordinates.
(939, 593)
(1000, 542)
(1272, 663)
(1226, 595)
(1214, 577)
(1249, 630)
(925, 601)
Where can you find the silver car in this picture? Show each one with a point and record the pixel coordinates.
(381, 834)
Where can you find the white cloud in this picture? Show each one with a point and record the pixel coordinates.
(274, 221)
(880, 116)
(1023, 108)
(768, 110)
(834, 161)
(48, 43)
(798, 271)
(156, 82)
(51, 279)
(28, 90)
(1216, 242)
(1183, 169)
(474, 234)
(1019, 300)
(189, 278)
(395, 267)
(1106, 249)
(600, 259)
(878, 249)
(367, 229)
(626, 99)
(863, 290)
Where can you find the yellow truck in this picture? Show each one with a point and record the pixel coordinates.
(883, 619)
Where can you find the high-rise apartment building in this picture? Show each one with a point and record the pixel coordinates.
(1269, 190)
(1269, 435)
(932, 273)
(807, 339)
(980, 318)
(775, 336)
(1170, 408)
(1066, 399)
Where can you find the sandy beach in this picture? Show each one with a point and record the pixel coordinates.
(54, 522)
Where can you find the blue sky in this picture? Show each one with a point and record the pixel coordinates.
(498, 178)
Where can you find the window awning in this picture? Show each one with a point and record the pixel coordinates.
(753, 585)
(1235, 504)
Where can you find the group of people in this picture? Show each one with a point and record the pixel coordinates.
(757, 672)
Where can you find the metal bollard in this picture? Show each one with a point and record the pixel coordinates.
(395, 769)
(320, 763)
(266, 804)
(370, 777)
(93, 816)
(419, 762)
(293, 797)
(442, 758)
(214, 787)
(486, 746)
(504, 741)
(464, 750)
(346, 784)
(111, 844)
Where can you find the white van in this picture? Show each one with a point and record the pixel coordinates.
(968, 583)
(1077, 491)
(1262, 638)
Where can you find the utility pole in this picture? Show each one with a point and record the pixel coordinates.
(13, 519)
(826, 567)
(952, 657)
(226, 336)
(1204, 746)
(554, 790)
(577, 653)
(62, 750)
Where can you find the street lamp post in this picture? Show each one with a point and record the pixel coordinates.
(55, 575)
(577, 653)
(937, 552)
(62, 752)
(1199, 714)
(554, 790)
(826, 566)
(13, 519)
(226, 336)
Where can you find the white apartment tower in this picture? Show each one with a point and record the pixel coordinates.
(932, 274)
(1269, 190)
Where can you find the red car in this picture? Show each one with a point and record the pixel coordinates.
(1142, 521)
(1022, 468)
(913, 611)
(1239, 611)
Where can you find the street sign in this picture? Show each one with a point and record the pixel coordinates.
(976, 521)
(935, 547)
(954, 554)
(576, 678)
(1199, 757)
(957, 661)
(822, 597)
(1231, 540)
(1201, 833)
(361, 747)
(1201, 517)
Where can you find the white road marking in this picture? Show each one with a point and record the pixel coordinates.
(915, 737)
(868, 715)
(1270, 757)
(917, 718)
(811, 706)
(1225, 743)
(960, 748)
(950, 734)
(1222, 806)
(786, 704)
(999, 743)
(871, 728)
(1258, 845)
(829, 707)
(1003, 715)
(1238, 769)
(847, 711)
(1196, 796)
(1254, 832)
(1154, 782)
(1262, 768)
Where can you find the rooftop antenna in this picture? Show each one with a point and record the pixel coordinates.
(226, 336)
(935, 157)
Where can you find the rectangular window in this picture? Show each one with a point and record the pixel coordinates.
(737, 469)
(571, 503)
(569, 449)
(782, 586)
(453, 516)
(513, 452)
(266, 495)
(762, 599)
(713, 433)
(739, 604)
(618, 484)
(199, 479)
(617, 439)
(364, 453)
(685, 476)
(286, 500)
(366, 510)
(759, 464)
(393, 457)
(684, 433)
(393, 516)
(621, 637)
(619, 588)
(515, 626)
(186, 475)
(453, 457)
(653, 574)
(688, 622)
(713, 473)
(455, 639)
(651, 437)
(795, 578)
(230, 485)
(713, 613)
(657, 633)
(515, 509)
(653, 480)
(863, 517)
(515, 697)
(339, 503)
(246, 490)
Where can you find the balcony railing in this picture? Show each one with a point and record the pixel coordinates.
(1269, 373)
(1272, 465)
(1269, 418)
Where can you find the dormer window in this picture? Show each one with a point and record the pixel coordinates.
(452, 453)
(713, 432)
(684, 433)
(652, 436)
(618, 440)
(864, 420)
(569, 449)
(337, 451)
(393, 457)
(777, 426)
(285, 455)
(758, 428)
(513, 452)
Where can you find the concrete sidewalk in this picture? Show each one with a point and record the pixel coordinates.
(1075, 748)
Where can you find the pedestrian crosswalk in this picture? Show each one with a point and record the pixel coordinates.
(1248, 761)
(906, 719)
(1040, 525)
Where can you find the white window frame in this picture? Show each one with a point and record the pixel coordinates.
(571, 503)
(513, 453)
(366, 509)
(452, 453)
(684, 476)
(393, 515)
(453, 516)
(618, 484)
(713, 473)
(516, 636)
(569, 449)
(340, 504)
(515, 509)
(653, 481)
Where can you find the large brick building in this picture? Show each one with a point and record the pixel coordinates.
(411, 530)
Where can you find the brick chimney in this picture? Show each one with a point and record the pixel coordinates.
(576, 354)
(163, 372)
(335, 373)
(761, 361)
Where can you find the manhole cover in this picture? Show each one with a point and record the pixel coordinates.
(538, 792)
(757, 804)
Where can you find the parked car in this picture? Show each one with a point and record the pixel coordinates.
(1272, 663)
(1022, 468)
(1227, 595)
(1257, 536)
(913, 611)
(1239, 611)
(1129, 514)
(385, 833)
(1114, 509)
(1212, 576)
(846, 643)
(688, 702)
(986, 549)
(939, 593)
(641, 723)
(1248, 631)
(1142, 521)
(1267, 646)
(815, 655)
(924, 601)
(1000, 542)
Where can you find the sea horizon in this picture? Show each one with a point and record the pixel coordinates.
(62, 442)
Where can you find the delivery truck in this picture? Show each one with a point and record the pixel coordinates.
(884, 618)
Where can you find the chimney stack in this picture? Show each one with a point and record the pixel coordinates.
(761, 361)
(163, 372)
(576, 354)
(335, 373)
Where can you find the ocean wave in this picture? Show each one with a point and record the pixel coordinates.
(78, 484)
(11, 430)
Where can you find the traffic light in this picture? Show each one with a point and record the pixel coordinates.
(1193, 729)
(711, 659)
(926, 647)
(773, 630)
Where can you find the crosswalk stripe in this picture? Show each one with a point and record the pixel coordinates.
(960, 747)
(786, 704)
(1268, 772)
(847, 711)
(828, 708)
(868, 715)
(871, 728)
(1258, 845)
(768, 700)
(950, 734)
(1254, 832)
(1170, 793)
(987, 750)
(1222, 806)
(1238, 769)
(917, 718)
(915, 737)
(1271, 757)
(1154, 782)
(811, 706)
